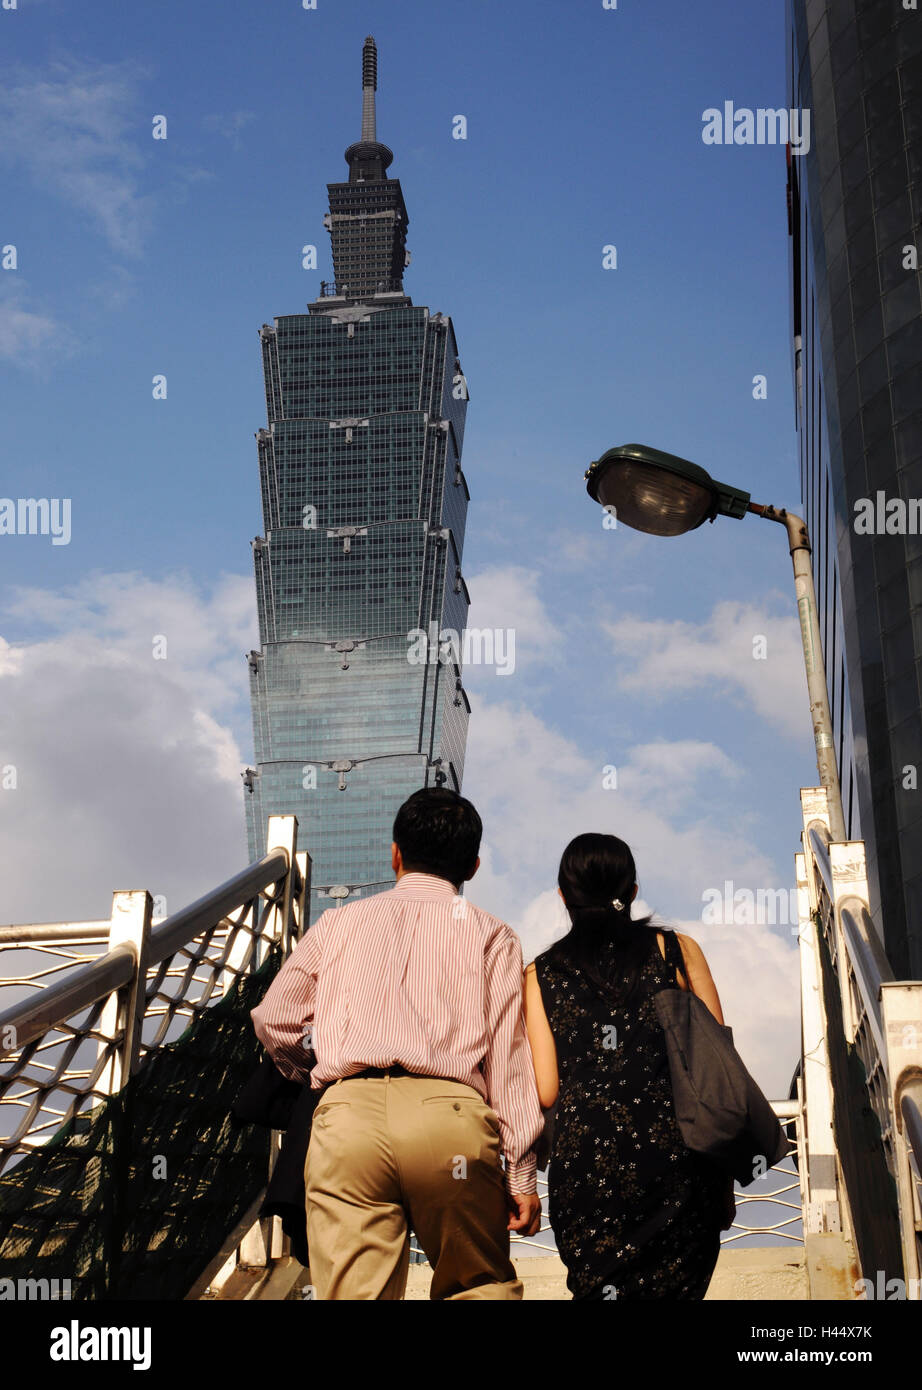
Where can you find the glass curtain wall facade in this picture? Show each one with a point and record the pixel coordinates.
(855, 219)
(364, 506)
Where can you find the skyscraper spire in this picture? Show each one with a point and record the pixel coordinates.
(369, 87)
(368, 218)
(367, 158)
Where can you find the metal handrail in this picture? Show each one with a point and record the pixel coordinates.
(820, 840)
(82, 933)
(28, 1020)
(869, 966)
(184, 926)
(32, 1017)
(911, 1114)
(867, 959)
(862, 926)
(332, 288)
(869, 995)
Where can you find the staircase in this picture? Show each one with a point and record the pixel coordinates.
(124, 1043)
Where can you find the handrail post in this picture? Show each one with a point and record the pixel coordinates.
(821, 1206)
(814, 807)
(305, 865)
(123, 1012)
(849, 878)
(282, 833)
(901, 1007)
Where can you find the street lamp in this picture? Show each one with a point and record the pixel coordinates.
(666, 496)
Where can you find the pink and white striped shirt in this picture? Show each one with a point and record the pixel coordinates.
(416, 977)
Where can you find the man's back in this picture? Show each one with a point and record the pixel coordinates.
(417, 977)
(411, 1003)
(414, 965)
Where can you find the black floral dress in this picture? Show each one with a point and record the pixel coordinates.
(635, 1213)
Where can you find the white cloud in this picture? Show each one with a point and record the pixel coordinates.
(113, 290)
(535, 789)
(757, 974)
(755, 970)
(23, 333)
(73, 125)
(229, 124)
(506, 596)
(128, 773)
(27, 337)
(539, 789)
(671, 771)
(661, 657)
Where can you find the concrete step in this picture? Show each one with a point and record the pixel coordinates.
(754, 1274)
(740, 1274)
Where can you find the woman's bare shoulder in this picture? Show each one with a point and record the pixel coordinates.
(691, 951)
(690, 946)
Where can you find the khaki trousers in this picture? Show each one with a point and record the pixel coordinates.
(392, 1152)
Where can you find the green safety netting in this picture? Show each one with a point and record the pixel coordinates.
(135, 1198)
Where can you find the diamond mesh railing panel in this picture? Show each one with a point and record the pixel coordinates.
(68, 1069)
(55, 959)
(134, 1195)
(770, 1211)
(181, 987)
(134, 1198)
(76, 1054)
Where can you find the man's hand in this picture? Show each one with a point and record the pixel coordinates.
(524, 1212)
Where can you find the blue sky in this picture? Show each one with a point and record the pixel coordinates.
(138, 257)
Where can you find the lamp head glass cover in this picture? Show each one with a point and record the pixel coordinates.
(659, 493)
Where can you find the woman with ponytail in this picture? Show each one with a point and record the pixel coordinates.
(635, 1213)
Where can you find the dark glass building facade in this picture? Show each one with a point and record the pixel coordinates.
(855, 219)
(364, 506)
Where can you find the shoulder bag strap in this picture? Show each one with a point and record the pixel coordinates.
(675, 958)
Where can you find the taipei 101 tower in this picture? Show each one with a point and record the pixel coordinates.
(364, 505)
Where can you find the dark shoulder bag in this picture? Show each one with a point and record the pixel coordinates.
(721, 1111)
(269, 1099)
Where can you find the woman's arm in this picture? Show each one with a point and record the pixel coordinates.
(699, 976)
(541, 1039)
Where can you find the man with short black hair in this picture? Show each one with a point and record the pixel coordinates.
(413, 999)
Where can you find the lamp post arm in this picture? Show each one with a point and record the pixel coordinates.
(799, 545)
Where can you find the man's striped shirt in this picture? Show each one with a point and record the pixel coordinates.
(416, 977)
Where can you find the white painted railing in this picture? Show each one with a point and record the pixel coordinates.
(881, 1017)
(67, 1043)
(86, 1003)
